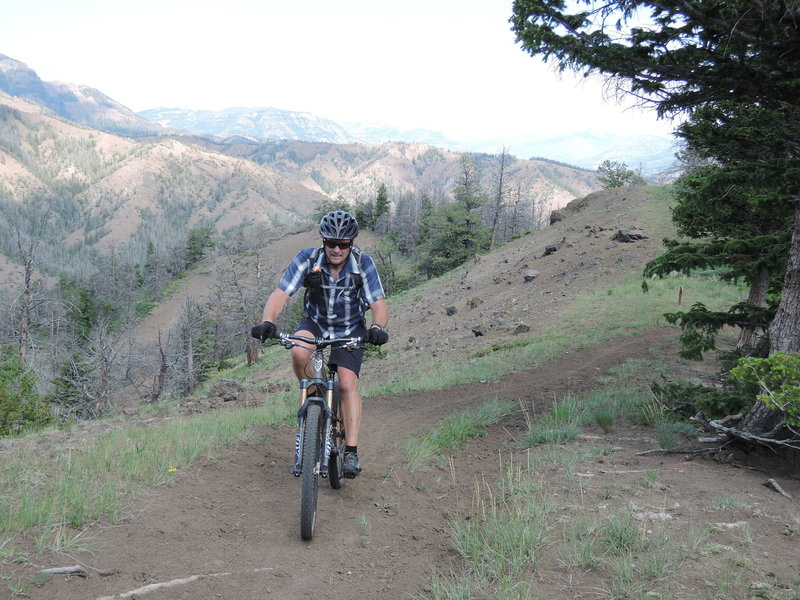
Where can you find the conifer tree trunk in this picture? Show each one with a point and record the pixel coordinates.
(761, 420)
(756, 297)
(784, 332)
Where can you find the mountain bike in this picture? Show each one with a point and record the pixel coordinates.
(320, 441)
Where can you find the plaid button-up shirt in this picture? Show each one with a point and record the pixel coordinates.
(343, 303)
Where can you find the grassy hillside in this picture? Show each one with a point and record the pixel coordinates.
(586, 297)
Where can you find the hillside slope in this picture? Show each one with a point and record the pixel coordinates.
(433, 323)
(104, 191)
(354, 171)
(228, 527)
(78, 103)
(490, 292)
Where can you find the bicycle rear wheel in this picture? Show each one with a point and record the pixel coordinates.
(312, 440)
(336, 463)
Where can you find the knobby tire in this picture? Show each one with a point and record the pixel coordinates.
(312, 441)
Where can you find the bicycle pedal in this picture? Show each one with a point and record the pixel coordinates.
(297, 472)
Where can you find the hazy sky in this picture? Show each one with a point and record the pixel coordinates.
(446, 65)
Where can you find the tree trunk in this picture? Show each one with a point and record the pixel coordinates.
(758, 292)
(189, 346)
(760, 420)
(500, 194)
(784, 332)
(252, 349)
(161, 377)
(25, 317)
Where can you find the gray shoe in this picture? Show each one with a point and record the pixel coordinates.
(351, 467)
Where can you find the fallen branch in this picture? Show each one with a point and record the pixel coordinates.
(678, 451)
(76, 570)
(714, 426)
(768, 439)
(153, 587)
(756, 439)
(771, 483)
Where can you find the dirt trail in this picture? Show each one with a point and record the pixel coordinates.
(230, 529)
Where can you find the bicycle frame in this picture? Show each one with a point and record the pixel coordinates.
(323, 379)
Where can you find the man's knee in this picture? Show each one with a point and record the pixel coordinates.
(348, 381)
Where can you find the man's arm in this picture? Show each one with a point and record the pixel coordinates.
(275, 304)
(380, 314)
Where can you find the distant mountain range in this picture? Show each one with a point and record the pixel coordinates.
(261, 123)
(106, 193)
(88, 106)
(78, 103)
(649, 153)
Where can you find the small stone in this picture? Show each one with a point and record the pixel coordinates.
(530, 275)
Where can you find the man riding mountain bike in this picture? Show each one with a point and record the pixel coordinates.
(342, 284)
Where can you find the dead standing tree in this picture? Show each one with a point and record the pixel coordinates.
(27, 247)
(499, 191)
(236, 305)
(541, 205)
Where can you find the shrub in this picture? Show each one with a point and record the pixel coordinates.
(20, 406)
(779, 378)
(714, 403)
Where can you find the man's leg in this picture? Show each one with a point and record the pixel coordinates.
(351, 415)
(300, 356)
(351, 404)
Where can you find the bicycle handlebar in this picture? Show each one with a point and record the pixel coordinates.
(287, 340)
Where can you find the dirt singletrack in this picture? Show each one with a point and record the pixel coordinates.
(230, 528)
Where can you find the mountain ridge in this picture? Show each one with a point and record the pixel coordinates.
(587, 149)
(85, 105)
(82, 104)
(258, 122)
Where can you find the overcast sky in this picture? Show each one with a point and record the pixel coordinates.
(447, 65)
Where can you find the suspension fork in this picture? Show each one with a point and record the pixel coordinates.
(298, 436)
(328, 430)
(328, 422)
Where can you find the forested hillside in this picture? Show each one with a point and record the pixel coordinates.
(101, 229)
(99, 192)
(355, 171)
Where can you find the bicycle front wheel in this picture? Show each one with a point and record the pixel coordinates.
(312, 440)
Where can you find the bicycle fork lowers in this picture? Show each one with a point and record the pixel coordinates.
(325, 404)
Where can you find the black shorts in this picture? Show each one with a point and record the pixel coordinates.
(339, 357)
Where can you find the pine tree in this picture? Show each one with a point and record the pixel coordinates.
(721, 63)
(735, 211)
(455, 233)
(20, 406)
(382, 202)
(614, 174)
(693, 55)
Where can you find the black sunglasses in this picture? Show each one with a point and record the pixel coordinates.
(339, 245)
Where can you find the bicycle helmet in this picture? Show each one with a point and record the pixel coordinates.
(338, 225)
